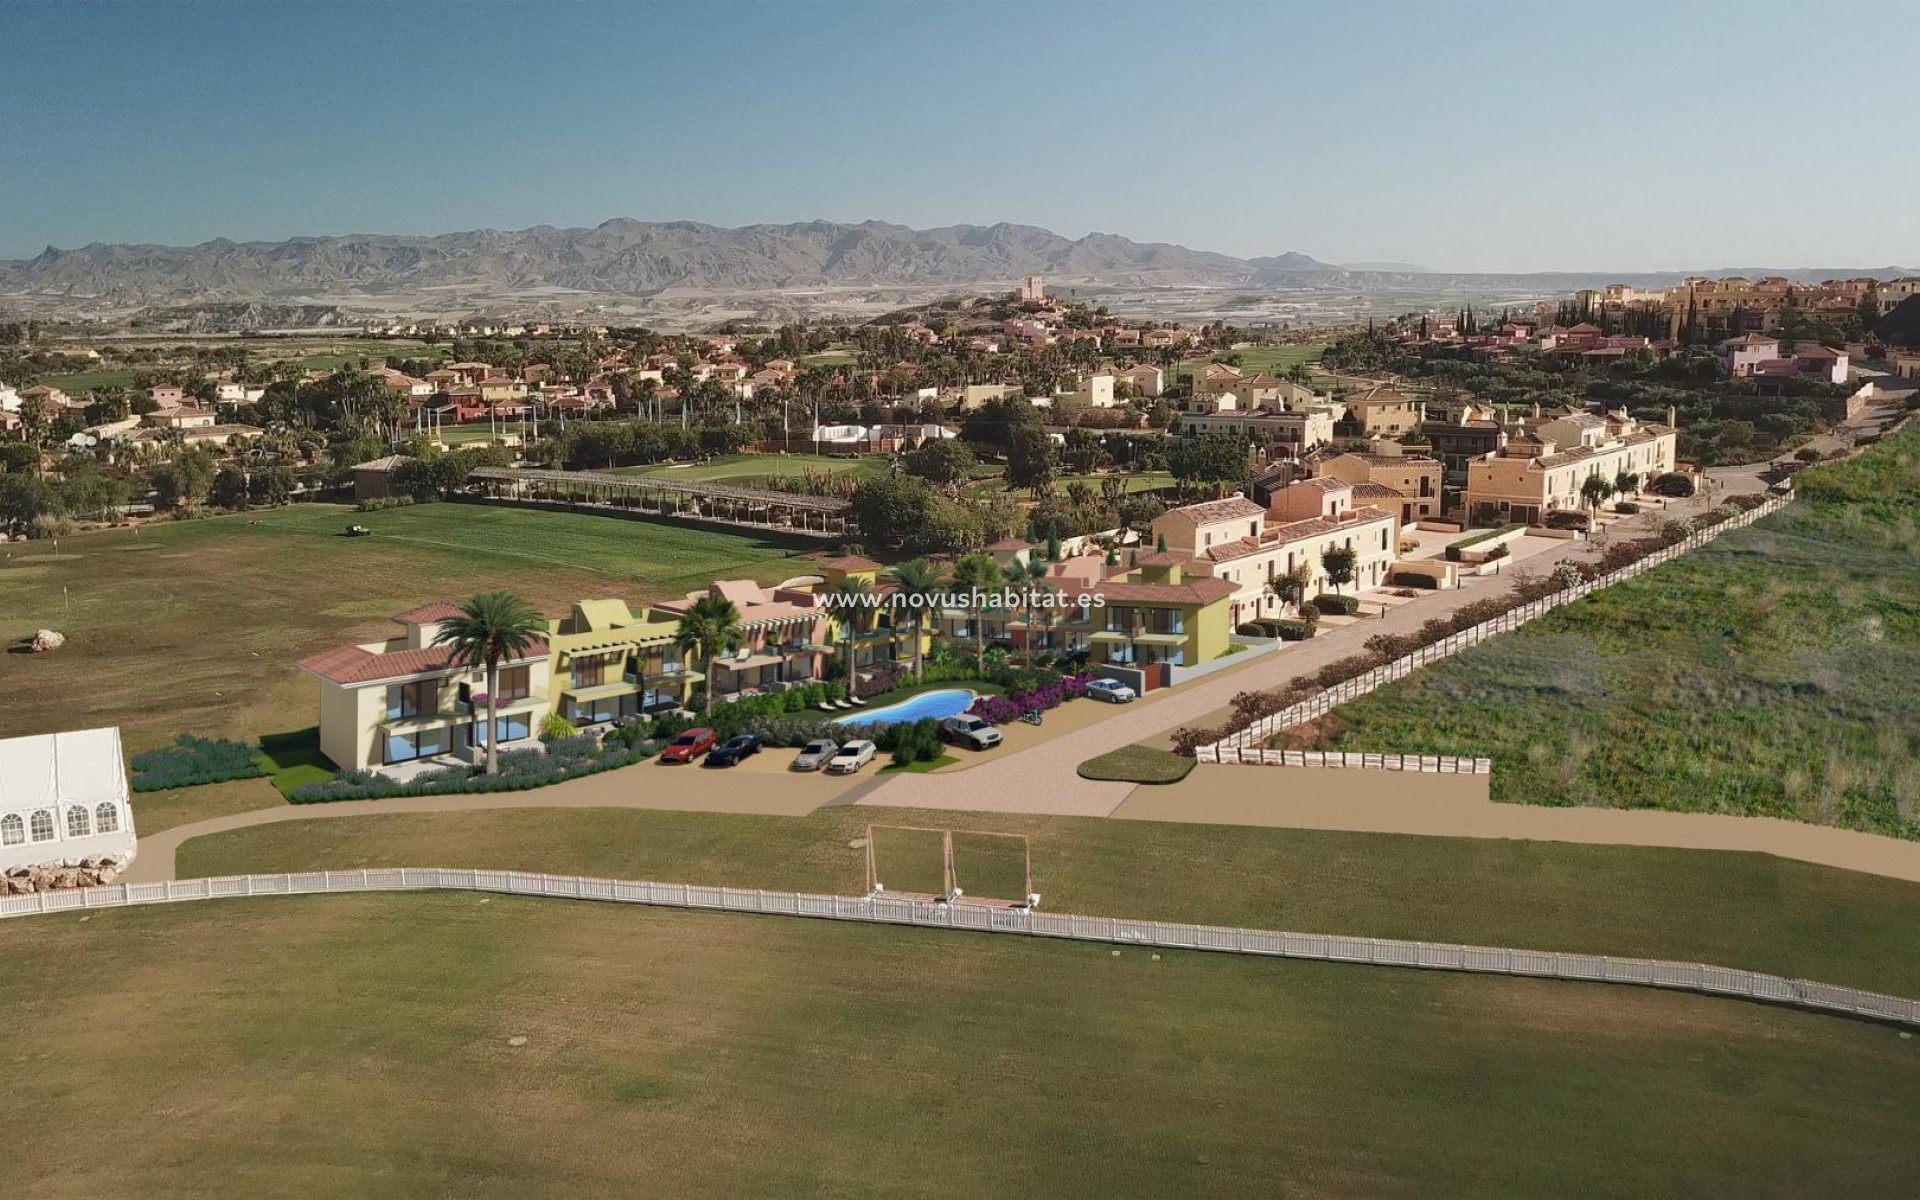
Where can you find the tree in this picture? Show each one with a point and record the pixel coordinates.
(1030, 459)
(904, 511)
(1339, 563)
(229, 489)
(24, 497)
(851, 609)
(270, 486)
(1210, 461)
(1290, 587)
(977, 573)
(945, 463)
(491, 628)
(914, 584)
(1594, 490)
(1626, 483)
(1083, 451)
(709, 628)
(184, 482)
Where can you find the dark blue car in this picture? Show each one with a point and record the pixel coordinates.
(735, 748)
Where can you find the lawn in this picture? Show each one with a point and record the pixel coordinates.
(80, 383)
(1137, 764)
(1741, 910)
(749, 469)
(506, 1046)
(1775, 672)
(1274, 360)
(196, 626)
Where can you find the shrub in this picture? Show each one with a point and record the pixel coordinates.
(556, 727)
(568, 758)
(1626, 508)
(912, 742)
(1332, 604)
(1296, 631)
(1002, 710)
(192, 761)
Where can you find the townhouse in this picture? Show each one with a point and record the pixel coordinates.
(1411, 481)
(1237, 542)
(1543, 468)
(406, 699)
(1381, 412)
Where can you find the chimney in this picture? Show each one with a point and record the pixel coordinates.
(1673, 417)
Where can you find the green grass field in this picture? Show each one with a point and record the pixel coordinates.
(1775, 672)
(196, 626)
(1275, 360)
(748, 469)
(502, 1046)
(1741, 910)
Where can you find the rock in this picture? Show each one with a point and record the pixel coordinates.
(45, 640)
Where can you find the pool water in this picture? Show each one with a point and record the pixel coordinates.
(947, 702)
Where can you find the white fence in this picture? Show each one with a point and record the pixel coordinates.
(1384, 952)
(1431, 764)
(1314, 707)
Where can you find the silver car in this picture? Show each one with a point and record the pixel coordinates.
(1110, 690)
(815, 754)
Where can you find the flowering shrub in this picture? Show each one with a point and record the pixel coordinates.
(1003, 710)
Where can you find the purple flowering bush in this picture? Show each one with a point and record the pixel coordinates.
(1003, 710)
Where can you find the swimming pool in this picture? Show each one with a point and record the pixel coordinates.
(947, 702)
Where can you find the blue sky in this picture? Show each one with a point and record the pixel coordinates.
(1465, 136)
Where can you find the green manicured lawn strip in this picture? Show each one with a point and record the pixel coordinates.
(703, 1054)
(1137, 764)
(1735, 909)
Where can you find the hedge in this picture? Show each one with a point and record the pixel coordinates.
(1335, 605)
(192, 761)
(568, 758)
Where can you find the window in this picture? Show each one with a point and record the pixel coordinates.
(13, 830)
(412, 699)
(510, 729)
(587, 672)
(515, 684)
(78, 826)
(417, 744)
(42, 825)
(106, 818)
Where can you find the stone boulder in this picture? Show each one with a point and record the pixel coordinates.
(45, 640)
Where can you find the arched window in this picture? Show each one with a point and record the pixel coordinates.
(77, 823)
(42, 825)
(13, 830)
(106, 818)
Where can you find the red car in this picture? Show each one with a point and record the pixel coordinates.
(689, 746)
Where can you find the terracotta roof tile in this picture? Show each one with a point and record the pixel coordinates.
(438, 610)
(350, 665)
(1219, 510)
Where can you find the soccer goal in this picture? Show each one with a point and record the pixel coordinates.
(965, 866)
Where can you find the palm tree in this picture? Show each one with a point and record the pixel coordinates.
(1027, 578)
(977, 573)
(491, 628)
(914, 583)
(709, 628)
(853, 613)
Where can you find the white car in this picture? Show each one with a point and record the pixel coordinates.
(1112, 691)
(851, 758)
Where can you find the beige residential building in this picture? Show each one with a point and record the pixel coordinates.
(1414, 479)
(1382, 412)
(1247, 546)
(1543, 470)
(405, 699)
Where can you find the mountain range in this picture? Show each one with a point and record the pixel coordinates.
(626, 259)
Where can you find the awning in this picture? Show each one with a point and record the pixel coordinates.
(604, 691)
(1162, 639)
(752, 661)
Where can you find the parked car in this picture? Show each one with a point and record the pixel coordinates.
(851, 758)
(689, 745)
(736, 748)
(969, 731)
(815, 754)
(1112, 691)
(356, 531)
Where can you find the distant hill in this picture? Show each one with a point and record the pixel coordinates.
(618, 258)
(1391, 268)
(1291, 263)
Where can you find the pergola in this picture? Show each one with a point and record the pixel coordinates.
(789, 512)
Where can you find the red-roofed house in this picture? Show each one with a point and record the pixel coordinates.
(405, 700)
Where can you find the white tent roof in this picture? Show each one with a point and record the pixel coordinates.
(840, 434)
(85, 765)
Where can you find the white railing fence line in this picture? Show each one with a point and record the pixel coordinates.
(1320, 704)
(880, 910)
